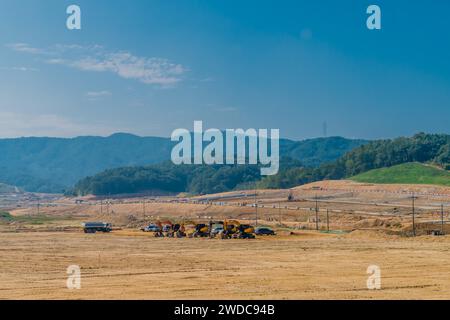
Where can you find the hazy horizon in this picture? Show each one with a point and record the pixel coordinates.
(168, 137)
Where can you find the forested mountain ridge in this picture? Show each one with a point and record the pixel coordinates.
(56, 164)
(433, 148)
(211, 179)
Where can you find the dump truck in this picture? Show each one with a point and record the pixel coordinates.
(93, 227)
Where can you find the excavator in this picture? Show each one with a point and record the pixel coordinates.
(159, 233)
(176, 230)
(207, 230)
(201, 231)
(170, 230)
(234, 229)
(231, 229)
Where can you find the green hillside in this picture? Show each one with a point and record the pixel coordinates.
(408, 173)
(421, 148)
(56, 164)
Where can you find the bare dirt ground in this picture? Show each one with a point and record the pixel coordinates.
(298, 263)
(124, 265)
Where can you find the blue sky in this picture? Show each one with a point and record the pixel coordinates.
(149, 67)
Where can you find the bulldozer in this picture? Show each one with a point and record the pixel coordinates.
(245, 231)
(201, 231)
(234, 229)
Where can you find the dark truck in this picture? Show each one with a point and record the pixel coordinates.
(93, 227)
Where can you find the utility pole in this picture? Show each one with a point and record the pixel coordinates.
(256, 207)
(317, 214)
(279, 212)
(328, 222)
(413, 215)
(143, 208)
(101, 207)
(442, 218)
(38, 205)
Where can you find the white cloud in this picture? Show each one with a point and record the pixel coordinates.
(24, 47)
(227, 109)
(23, 69)
(207, 79)
(148, 70)
(95, 94)
(20, 125)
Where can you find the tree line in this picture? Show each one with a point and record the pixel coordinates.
(202, 179)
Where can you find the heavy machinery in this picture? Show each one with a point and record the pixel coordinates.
(215, 228)
(168, 229)
(245, 231)
(201, 230)
(177, 230)
(181, 232)
(234, 229)
(224, 229)
(159, 233)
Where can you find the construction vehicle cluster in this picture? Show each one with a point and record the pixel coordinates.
(221, 229)
(227, 229)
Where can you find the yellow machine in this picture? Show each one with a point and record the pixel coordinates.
(231, 226)
(176, 230)
(234, 229)
(201, 230)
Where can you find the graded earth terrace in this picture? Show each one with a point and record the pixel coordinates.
(367, 224)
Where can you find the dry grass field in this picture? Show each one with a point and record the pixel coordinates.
(298, 263)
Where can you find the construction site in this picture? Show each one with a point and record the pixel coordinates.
(311, 242)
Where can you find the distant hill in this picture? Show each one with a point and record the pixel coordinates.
(408, 173)
(423, 148)
(314, 152)
(169, 178)
(56, 164)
